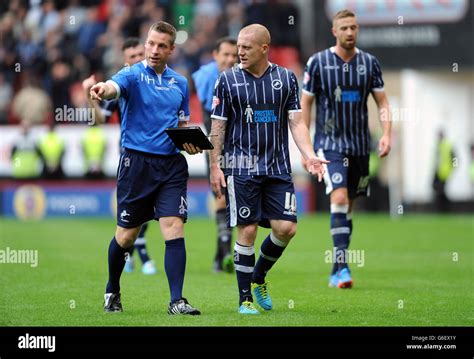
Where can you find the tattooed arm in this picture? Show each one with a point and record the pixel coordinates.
(217, 139)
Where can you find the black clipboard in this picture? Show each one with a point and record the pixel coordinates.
(192, 134)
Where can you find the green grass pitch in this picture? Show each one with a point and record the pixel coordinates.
(418, 271)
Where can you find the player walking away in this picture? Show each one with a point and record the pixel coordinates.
(225, 56)
(341, 79)
(133, 52)
(258, 185)
(152, 174)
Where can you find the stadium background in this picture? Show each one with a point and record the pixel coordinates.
(47, 47)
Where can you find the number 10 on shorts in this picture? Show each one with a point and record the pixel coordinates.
(290, 203)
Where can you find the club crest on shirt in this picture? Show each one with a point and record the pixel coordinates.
(361, 69)
(277, 84)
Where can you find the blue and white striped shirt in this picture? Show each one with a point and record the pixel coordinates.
(256, 111)
(341, 91)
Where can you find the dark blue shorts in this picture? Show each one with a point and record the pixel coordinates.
(149, 187)
(258, 199)
(346, 171)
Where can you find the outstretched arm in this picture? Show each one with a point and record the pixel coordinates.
(217, 139)
(301, 136)
(87, 84)
(103, 91)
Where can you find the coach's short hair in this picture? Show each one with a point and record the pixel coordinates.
(165, 28)
(130, 42)
(224, 40)
(341, 14)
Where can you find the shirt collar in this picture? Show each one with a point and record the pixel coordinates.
(152, 70)
(333, 49)
(270, 65)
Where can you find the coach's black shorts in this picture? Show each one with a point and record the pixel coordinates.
(346, 171)
(258, 199)
(149, 187)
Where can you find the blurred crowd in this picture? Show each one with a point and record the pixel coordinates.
(49, 46)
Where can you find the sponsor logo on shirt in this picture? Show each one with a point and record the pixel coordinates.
(346, 95)
(260, 113)
(240, 84)
(264, 116)
(350, 96)
(361, 69)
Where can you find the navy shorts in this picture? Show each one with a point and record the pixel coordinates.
(346, 171)
(258, 199)
(149, 187)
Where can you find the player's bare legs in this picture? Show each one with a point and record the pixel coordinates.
(126, 236)
(246, 234)
(283, 230)
(341, 229)
(172, 228)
